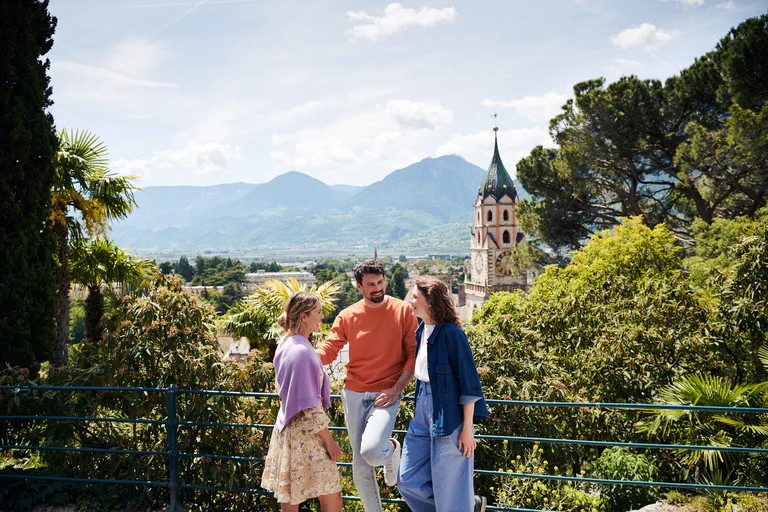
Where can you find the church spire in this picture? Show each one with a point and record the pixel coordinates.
(497, 181)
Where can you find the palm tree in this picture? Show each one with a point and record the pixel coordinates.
(99, 265)
(85, 197)
(705, 428)
(255, 317)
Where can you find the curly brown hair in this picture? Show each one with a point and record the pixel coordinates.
(439, 299)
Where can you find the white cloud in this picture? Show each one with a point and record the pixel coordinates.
(136, 57)
(728, 6)
(201, 159)
(535, 108)
(396, 18)
(625, 66)
(305, 109)
(627, 63)
(120, 81)
(513, 145)
(364, 146)
(645, 36)
(91, 74)
(692, 3)
(418, 115)
(329, 103)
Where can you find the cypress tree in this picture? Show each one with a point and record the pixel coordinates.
(28, 147)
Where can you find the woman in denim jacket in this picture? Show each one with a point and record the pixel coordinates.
(437, 464)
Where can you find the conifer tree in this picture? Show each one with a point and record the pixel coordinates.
(27, 150)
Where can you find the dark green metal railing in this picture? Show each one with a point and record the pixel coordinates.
(172, 424)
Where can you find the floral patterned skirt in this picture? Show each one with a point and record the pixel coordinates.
(297, 466)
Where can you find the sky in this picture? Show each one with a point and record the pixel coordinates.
(206, 92)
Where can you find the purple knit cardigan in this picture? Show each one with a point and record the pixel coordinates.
(296, 371)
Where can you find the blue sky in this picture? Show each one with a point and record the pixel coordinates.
(220, 91)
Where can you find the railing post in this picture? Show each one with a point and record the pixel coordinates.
(173, 448)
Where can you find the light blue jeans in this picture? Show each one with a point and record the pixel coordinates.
(369, 430)
(434, 474)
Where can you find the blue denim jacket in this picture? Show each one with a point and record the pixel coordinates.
(452, 376)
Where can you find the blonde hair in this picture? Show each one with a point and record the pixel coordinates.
(296, 305)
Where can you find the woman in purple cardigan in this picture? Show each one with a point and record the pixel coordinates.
(301, 462)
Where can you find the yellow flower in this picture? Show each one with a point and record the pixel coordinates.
(528, 500)
(541, 450)
(518, 457)
(545, 463)
(555, 468)
(545, 500)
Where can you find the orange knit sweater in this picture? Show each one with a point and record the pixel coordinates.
(382, 343)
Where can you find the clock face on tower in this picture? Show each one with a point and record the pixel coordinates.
(479, 263)
(505, 264)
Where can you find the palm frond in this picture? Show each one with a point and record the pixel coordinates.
(704, 428)
(85, 184)
(255, 317)
(101, 263)
(762, 354)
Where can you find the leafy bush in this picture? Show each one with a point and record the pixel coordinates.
(21, 495)
(616, 325)
(153, 341)
(619, 464)
(530, 493)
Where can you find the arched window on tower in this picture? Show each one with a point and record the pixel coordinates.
(478, 237)
(506, 215)
(505, 236)
(490, 215)
(478, 217)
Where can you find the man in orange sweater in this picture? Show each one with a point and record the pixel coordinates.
(380, 331)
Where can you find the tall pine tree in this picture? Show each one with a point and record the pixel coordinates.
(27, 151)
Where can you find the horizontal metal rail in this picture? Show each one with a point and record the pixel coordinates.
(146, 483)
(86, 418)
(172, 424)
(23, 388)
(80, 450)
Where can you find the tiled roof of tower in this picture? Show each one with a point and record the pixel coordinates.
(497, 181)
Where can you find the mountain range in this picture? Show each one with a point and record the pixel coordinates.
(428, 203)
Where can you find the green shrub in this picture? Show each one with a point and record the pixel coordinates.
(531, 493)
(165, 337)
(21, 495)
(619, 464)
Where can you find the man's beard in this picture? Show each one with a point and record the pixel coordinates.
(376, 298)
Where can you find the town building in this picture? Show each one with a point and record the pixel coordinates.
(254, 279)
(494, 236)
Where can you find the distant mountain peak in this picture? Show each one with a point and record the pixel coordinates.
(294, 176)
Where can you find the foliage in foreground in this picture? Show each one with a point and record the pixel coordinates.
(27, 289)
(623, 322)
(165, 337)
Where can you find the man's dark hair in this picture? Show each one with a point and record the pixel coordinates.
(368, 267)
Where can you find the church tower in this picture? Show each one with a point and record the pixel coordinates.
(495, 234)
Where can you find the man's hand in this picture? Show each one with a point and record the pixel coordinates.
(386, 398)
(467, 443)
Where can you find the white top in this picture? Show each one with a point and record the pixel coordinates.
(421, 371)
